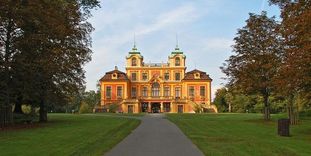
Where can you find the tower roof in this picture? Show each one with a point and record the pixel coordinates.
(134, 51)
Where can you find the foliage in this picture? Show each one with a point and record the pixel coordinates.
(26, 109)
(253, 66)
(84, 108)
(220, 100)
(44, 45)
(243, 103)
(113, 108)
(294, 74)
(90, 98)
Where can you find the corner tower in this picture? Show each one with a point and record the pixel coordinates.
(134, 58)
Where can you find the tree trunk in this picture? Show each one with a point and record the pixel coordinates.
(229, 107)
(18, 106)
(266, 108)
(292, 111)
(43, 113)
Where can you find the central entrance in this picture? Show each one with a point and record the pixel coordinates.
(155, 107)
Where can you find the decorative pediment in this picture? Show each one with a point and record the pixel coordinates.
(156, 78)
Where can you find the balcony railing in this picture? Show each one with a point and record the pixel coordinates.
(157, 97)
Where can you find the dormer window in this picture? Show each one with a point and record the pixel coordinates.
(134, 61)
(114, 76)
(197, 75)
(177, 61)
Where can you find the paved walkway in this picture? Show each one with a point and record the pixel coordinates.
(155, 136)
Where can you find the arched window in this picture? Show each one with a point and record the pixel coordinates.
(134, 61)
(177, 61)
(155, 89)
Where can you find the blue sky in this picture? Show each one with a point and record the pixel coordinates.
(205, 29)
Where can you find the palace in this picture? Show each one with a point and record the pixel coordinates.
(156, 87)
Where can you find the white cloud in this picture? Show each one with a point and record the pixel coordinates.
(205, 30)
(108, 50)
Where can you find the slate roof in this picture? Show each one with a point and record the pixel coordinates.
(120, 76)
(190, 75)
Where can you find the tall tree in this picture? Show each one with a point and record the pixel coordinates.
(53, 46)
(295, 72)
(9, 32)
(253, 66)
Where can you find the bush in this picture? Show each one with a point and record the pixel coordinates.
(26, 109)
(30, 115)
(84, 108)
(113, 108)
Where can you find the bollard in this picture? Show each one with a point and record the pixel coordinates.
(283, 127)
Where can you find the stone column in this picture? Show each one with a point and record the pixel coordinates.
(161, 107)
(149, 107)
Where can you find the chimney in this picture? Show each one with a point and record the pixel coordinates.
(115, 67)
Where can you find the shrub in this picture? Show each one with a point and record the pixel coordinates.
(26, 109)
(84, 108)
(113, 108)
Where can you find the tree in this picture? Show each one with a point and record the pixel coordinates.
(9, 33)
(295, 77)
(91, 98)
(256, 60)
(220, 100)
(52, 47)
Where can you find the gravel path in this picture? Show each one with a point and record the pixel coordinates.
(155, 136)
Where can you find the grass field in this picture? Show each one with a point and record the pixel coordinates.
(243, 134)
(121, 114)
(67, 135)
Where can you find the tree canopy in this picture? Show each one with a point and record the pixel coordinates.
(253, 66)
(46, 45)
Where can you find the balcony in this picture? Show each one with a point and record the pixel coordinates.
(156, 97)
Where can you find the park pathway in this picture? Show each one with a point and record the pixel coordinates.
(155, 136)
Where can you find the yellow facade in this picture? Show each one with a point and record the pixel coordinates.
(156, 87)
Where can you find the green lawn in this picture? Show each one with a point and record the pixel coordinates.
(121, 114)
(243, 134)
(68, 135)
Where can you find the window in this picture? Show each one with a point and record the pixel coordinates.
(134, 61)
(145, 92)
(108, 92)
(155, 89)
(114, 76)
(177, 76)
(166, 76)
(191, 90)
(177, 92)
(197, 75)
(177, 61)
(134, 77)
(167, 107)
(145, 76)
(133, 92)
(166, 91)
(119, 92)
(202, 90)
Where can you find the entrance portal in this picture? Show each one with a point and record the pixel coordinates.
(130, 109)
(155, 107)
(144, 107)
(180, 108)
